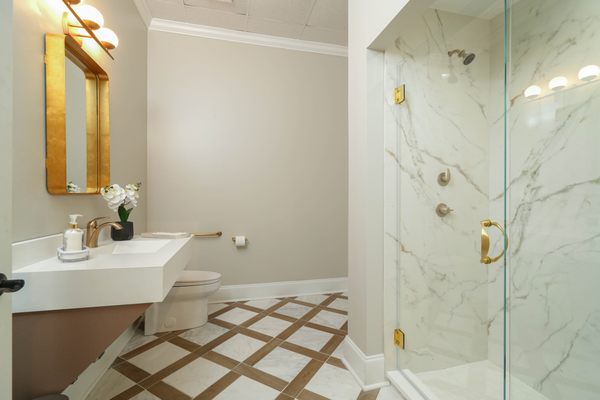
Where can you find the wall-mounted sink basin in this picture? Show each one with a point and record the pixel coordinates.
(117, 273)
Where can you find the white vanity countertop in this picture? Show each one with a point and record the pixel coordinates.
(117, 273)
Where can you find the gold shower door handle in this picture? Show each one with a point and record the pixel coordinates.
(485, 241)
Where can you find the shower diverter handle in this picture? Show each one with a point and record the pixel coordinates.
(485, 241)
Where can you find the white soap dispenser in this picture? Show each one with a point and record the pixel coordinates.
(73, 237)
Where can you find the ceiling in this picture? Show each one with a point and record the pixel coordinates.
(313, 20)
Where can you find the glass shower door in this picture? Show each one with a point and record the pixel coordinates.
(554, 193)
(445, 149)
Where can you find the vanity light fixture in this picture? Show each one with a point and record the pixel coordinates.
(532, 92)
(108, 38)
(589, 72)
(86, 18)
(557, 83)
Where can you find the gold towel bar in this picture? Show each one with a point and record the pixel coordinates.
(208, 235)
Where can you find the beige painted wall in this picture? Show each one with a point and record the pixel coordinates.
(249, 140)
(35, 212)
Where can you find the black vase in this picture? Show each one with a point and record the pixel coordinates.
(122, 234)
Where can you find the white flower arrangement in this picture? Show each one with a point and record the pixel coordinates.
(119, 198)
(73, 187)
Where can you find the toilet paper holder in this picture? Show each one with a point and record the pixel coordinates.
(245, 240)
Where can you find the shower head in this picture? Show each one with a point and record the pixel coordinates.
(467, 57)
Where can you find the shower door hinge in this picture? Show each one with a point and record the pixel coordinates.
(399, 339)
(399, 95)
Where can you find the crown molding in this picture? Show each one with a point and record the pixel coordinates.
(210, 32)
(144, 11)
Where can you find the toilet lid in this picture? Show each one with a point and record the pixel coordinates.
(195, 278)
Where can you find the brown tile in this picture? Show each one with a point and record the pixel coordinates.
(217, 341)
(370, 395)
(308, 395)
(163, 373)
(343, 297)
(289, 331)
(129, 393)
(335, 310)
(261, 353)
(220, 359)
(345, 327)
(303, 303)
(254, 319)
(310, 314)
(332, 344)
(326, 329)
(304, 351)
(253, 334)
(221, 311)
(141, 349)
(336, 361)
(249, 308)
(277, 305)
(300, 381)
(117, 361)
(167, 392)
(284, 397)
(184, 344)
(213, 390)
(260, 376)
(131, 371)
(328, 300)
(283, 317)
(224, 324)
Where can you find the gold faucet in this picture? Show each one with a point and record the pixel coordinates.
(93, 230)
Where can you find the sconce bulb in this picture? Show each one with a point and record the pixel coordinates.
(532, 92)
(108, 38)
(90, 15)
(557, 83)
(589, 72)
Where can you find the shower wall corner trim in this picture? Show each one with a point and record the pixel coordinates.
(368, 371)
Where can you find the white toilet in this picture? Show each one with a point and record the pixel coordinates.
(186, 305)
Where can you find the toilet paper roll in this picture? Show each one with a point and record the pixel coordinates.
(240, 241)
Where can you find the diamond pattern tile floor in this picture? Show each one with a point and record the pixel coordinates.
(271, 349)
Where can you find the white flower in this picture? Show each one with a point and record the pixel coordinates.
(115, 195)
(131, 191)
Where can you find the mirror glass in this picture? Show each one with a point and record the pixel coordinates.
(76, 127)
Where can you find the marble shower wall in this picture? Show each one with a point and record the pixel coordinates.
(442, 287)
(555, 201)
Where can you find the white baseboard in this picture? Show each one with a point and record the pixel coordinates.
(85, 382)
(279, 289)
(367, 370)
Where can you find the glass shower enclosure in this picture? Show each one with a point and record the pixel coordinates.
(499, 129)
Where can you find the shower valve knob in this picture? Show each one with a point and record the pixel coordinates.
(442, 210)
(444, 177)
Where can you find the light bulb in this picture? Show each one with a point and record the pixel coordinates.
(90, 15)
(557, 83)
(589, 72)
(107, 37)
(532, 92)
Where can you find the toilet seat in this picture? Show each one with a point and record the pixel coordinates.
(196, 278)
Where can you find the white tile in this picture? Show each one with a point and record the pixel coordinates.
(270, 326)
(283, 364)
(236, 316)
(204, 334)
(214, 307)
(330, 319)
(195, 377)
(145, 395)
(389, 393)
(239, 347)
(339, 352)
(334, 36)
(310, 338)
(111, 384)
(263, 303)
(245, 388)
(330, 14)
(158, 357)
(339, 304)
(293, 310)
(315, 299)
(334, 383)
(290, 11)
(139, 339)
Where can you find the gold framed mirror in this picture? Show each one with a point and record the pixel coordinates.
(77, 119)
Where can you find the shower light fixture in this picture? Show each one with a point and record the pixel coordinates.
(108, 38)
(532, 92)
(557, 83)
(589, 72)
(90, 16)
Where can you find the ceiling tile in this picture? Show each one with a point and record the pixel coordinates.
(330, 14)
(325, 35)
(235, 6)
(293, 11)
(274, 28)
